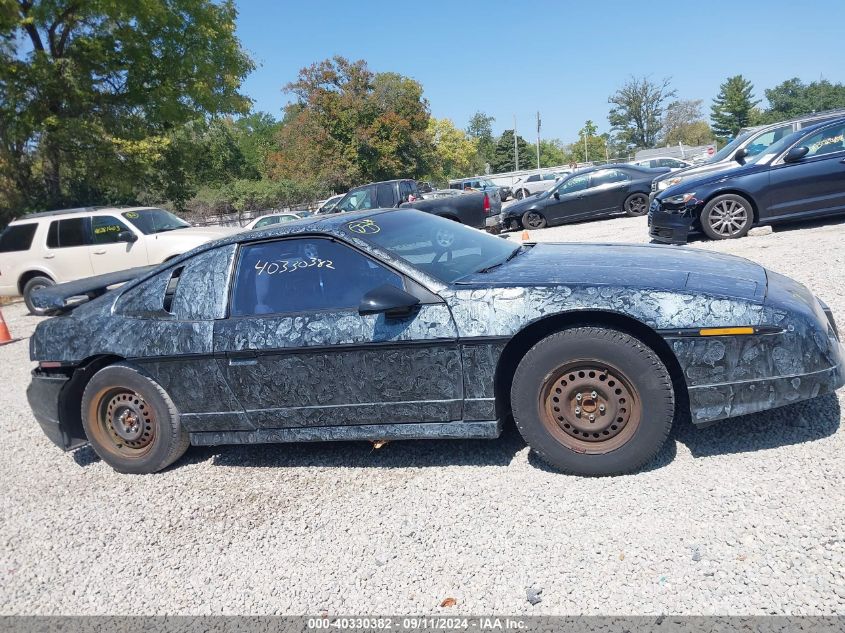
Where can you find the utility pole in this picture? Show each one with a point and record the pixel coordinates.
(515, 148)
(585, 143)
(538, 140)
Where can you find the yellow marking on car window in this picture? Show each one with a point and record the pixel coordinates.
(131, 215)
(724, 331)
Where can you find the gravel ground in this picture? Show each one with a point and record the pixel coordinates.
(742, 518)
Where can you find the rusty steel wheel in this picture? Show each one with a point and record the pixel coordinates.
(590, 406)
(124, 421)
(593, 401)
(130, 420)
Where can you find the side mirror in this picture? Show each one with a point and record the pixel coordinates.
(556, 195)
(796, 154)
(127, 236)
(740, 155)
(389, 300)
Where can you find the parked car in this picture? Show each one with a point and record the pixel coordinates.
(481, 184)
(747, 144)
(425, 329)
(801, 176)
(42, 249)
(594, 192)
(329, 205)
(662, 161)
(533, 184)
(477, 209)
(272, 218)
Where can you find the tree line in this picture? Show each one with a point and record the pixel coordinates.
(114, 102)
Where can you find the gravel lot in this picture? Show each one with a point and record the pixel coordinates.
(742, 518)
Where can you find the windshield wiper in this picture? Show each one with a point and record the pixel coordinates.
(170, 228)
(516, 251)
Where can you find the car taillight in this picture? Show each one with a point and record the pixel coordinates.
(486, 203)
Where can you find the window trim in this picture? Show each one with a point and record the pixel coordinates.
(236, 263)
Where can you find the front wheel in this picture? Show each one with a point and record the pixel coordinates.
(131, 422)
(533, 220)
(636, 205)
(36, 283)
(521, 194)
(726, 217)
(593, 401)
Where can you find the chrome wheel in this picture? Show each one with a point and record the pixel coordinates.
(728, 218)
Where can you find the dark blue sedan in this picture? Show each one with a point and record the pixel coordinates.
(801, 176)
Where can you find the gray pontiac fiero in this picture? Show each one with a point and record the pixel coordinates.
(396, 324)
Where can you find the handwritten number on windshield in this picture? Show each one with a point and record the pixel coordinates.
(285, 266)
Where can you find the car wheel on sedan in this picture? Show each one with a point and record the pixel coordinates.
(726, 217)
(131, 422)
(593, 401)
(521, 194)
(636, 204)
(36, 283)
(533, 220)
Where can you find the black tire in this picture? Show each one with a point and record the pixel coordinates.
(131, 422)
(556, 379)
(31, 286)
(533, 220)
(726, 217)
(521, 194)
(635, 205)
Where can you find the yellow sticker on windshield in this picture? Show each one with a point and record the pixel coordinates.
(130, 214)
(365, 227)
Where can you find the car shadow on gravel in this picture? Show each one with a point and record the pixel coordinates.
(798, 423)
(398, 454)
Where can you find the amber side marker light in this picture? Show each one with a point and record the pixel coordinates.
(725, 331)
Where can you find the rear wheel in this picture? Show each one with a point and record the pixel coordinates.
(636, 204)
(533, 220)
(593, 401)
(726, 217)
(131, 422)
(36, 283)
(521, 194)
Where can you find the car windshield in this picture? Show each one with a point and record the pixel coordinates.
(355, 200)
(150, 221)
(728, 149)
(775, 149)
(444, 249)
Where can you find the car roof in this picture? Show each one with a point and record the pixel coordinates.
(78, 212)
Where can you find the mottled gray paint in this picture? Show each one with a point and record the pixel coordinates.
(316, 376)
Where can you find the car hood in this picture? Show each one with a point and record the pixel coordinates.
(654, 267)
(697, 171)
(709, 178)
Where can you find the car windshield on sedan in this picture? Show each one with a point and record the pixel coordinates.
(775, 149)
(150, 221)
(728, 149)
(444, 249)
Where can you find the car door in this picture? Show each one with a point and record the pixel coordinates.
(68, 246)
(607, 192)
(567, 202)
(814, 185)
(297, 353)
(109, 252)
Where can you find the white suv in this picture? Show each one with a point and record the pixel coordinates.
(43, 249)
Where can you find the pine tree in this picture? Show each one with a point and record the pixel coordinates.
(733, 107)
(503, 154)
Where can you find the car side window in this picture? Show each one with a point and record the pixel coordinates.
(549, 177)
(304, 275)
(405, 191)
(273, 219)
(533, 178)
(68, 233)
(386, 196)
(763, 141)
(106, 229)
(574, 184)
(607, 177)
(830, 140)
(17, 237)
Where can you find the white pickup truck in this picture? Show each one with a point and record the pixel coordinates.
(43, 249)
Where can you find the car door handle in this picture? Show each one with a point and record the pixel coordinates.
(50, 256)
(102, 252)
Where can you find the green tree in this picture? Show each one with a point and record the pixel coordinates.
(637, 110)
(348, 125)
(481, 129)
(552, 153)
(684, 123)
(590, 146)
(794, 98)
(733, 107)
(255, 135)
(90, 91)
(503, 156)
(454, 150)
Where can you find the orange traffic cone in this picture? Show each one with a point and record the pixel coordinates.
(525, 237)
(5, 337)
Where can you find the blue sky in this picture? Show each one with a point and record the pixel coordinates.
(561, 58)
